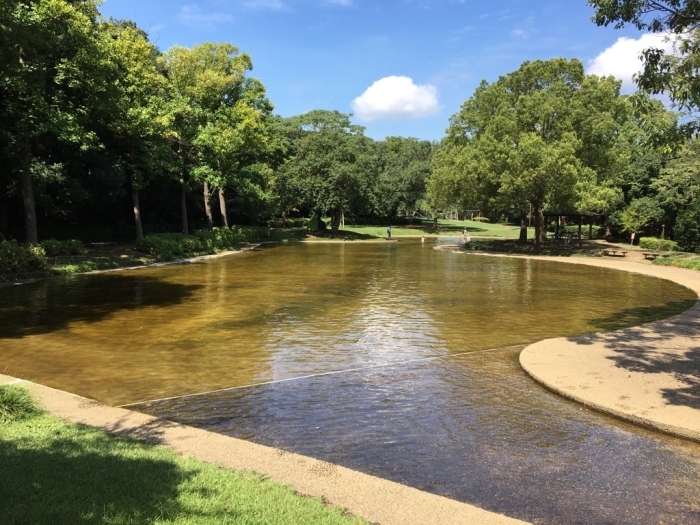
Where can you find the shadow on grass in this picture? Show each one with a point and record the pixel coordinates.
(81, 480)
(651, 349)
(52, 304)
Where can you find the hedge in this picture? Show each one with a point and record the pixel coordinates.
(169, 246)
(652, 243)
(54, 248)
(17, 258)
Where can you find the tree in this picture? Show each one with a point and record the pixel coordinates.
(333, 166)
(400, 188)
(136, 122)
(52, 74)
(546, 135)
(674, 72)
(216, 115)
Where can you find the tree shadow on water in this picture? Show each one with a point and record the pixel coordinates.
(670, 346)
(81, 480)
(51, 305)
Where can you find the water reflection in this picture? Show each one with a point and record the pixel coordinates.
(292, 311)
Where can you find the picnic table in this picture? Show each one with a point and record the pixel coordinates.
(615, 253)
(651, 255)
(102, 244)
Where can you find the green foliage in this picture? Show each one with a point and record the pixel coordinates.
(691, 264)
(652, 243)
(18, 258)
(52, 247)
(288, 223)
(545, 135)
(16, 404)
(333, 168)
(169, 246)
(687, 229)
(674, 71)
(639, 214)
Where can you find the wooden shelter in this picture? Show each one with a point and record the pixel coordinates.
(578, 217)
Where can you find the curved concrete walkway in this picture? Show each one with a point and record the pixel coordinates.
(649, 375)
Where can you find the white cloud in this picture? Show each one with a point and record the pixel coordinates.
(342, 3)
(621, 59)
(265, 4)
(396, 98)
(192, 15)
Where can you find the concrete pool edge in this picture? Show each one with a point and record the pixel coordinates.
(374, 499)
(646, 375)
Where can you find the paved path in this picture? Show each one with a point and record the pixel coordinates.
(649, 375)
(375, 499)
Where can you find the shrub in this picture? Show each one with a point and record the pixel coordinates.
(687, 229)
(293, 222)
(481, 219)
(15, 404)
(16, 258)
(691, 264)
(652, 243)
(218, 239)
(52, 247)
(168, 246)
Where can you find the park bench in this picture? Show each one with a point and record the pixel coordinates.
(615, 253)
(651, 255)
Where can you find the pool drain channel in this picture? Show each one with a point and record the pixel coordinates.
(321, 374)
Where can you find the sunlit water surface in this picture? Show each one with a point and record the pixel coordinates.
(465, 422)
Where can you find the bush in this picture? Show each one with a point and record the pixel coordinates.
(17, 258)
(52, 247)
(691, 264)
(687, 229)
(169, 246)
(481, 219)
(652, 243)
(15, 404)
(288, 223)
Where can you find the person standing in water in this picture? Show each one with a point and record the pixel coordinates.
(388, 233)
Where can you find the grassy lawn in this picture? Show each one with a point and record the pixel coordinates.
(690, 262)
(445, 227)
(54, 472)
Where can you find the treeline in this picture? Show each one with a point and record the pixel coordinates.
(548, 137)
(104, 137)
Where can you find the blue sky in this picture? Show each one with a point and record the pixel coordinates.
(403, 67)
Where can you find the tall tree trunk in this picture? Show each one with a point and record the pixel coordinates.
(207, 206)
(540, 230)
(4, 207)
(31, 235)
(137, 212)
(222, 208)
(335, 220)
(183, 202)
(523, 230)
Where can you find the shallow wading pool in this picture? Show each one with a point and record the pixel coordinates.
(390, 358)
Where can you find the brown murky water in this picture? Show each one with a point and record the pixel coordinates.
(290, 311)
(385, 349)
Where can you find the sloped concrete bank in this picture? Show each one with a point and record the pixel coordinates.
(648, 375)
(375, 499)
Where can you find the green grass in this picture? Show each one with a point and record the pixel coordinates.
(15, 404)
(692, 263)
(54, 472)
(445, 227)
